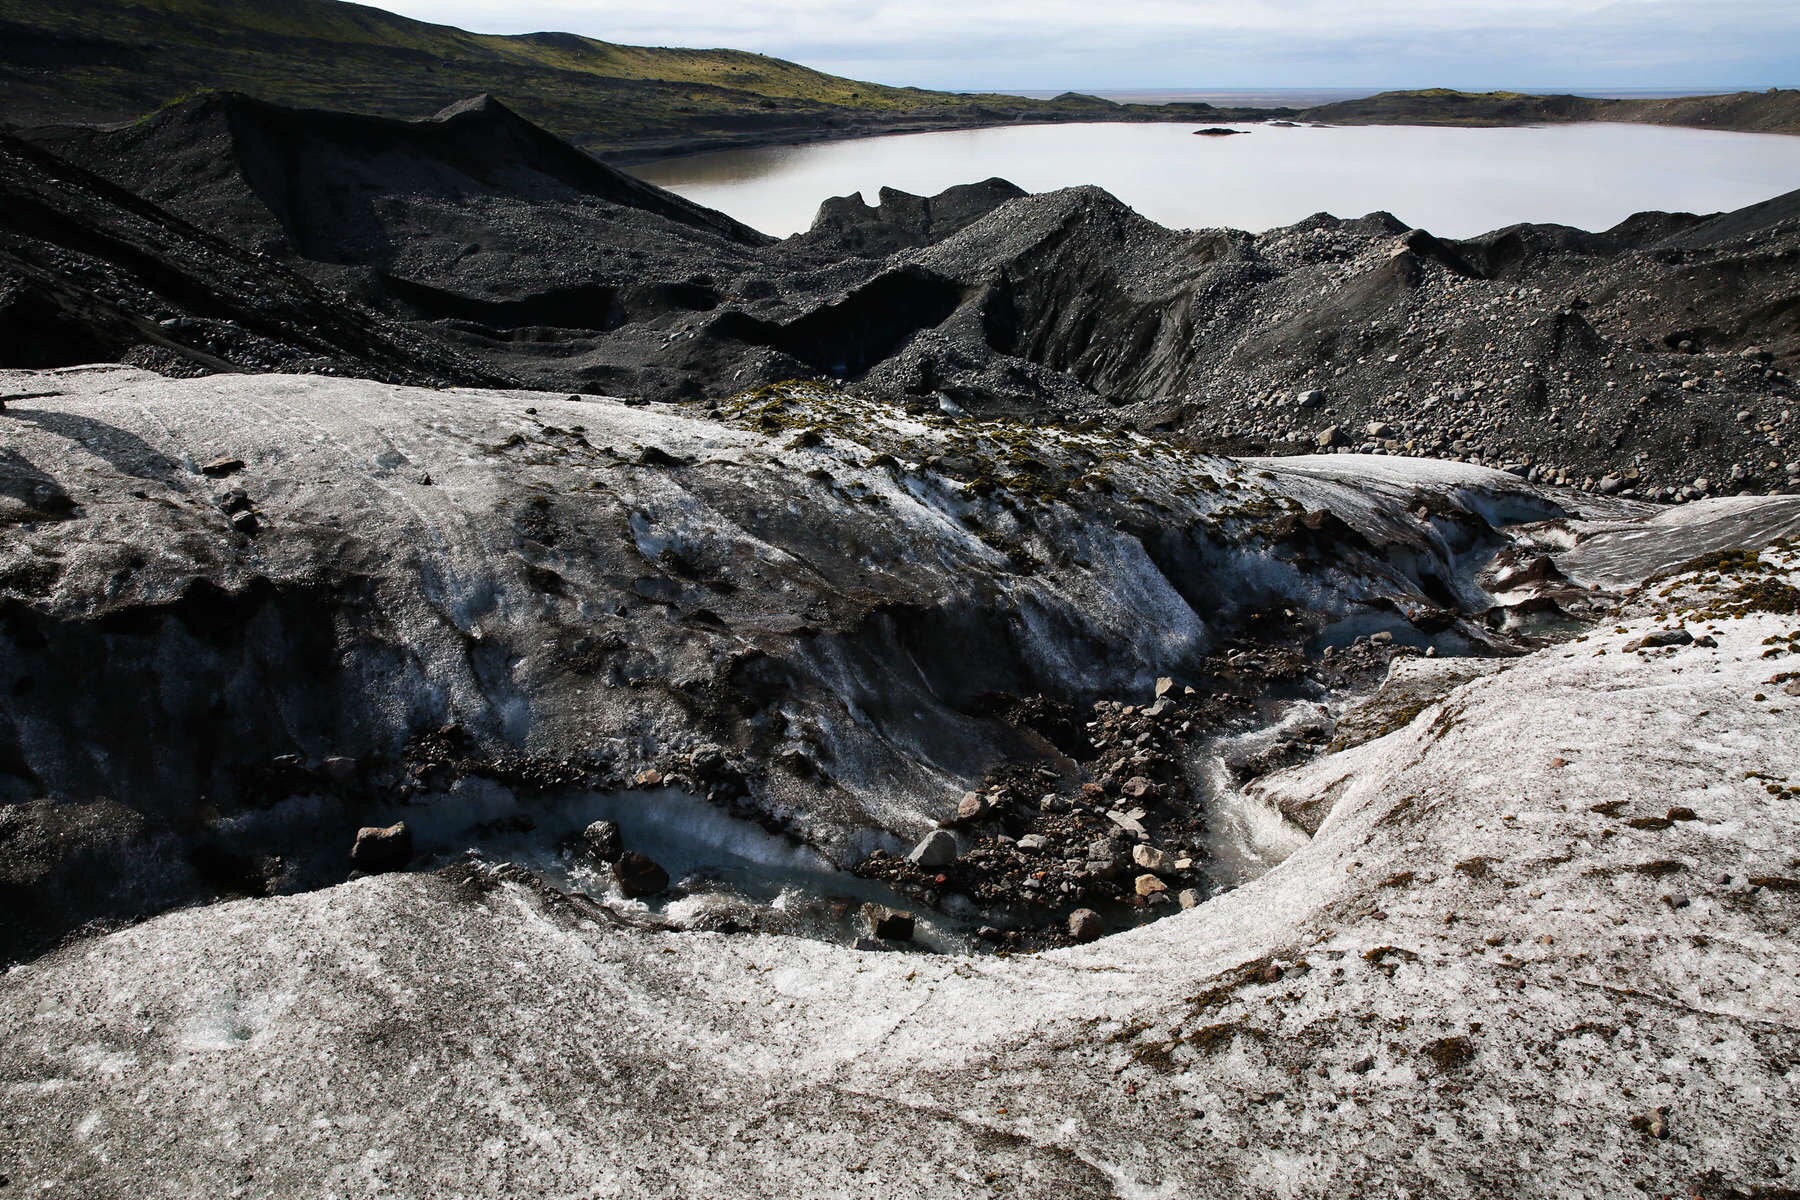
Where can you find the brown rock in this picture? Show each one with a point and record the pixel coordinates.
(1085, 925)
(1138, 787)
(382, 848)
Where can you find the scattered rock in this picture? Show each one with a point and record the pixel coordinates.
(1131, 822)
(1449, 1053)
(219, 468)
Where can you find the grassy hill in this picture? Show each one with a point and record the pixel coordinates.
(107, 60)
(1773, 111)
(114, 60)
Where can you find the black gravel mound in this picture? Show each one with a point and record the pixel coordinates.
(90, 272)
(1647, 360)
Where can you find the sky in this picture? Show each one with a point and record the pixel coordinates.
(1113, 44)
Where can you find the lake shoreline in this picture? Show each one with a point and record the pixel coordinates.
(1776, 112)
(637, 156)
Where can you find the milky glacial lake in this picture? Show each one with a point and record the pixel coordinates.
(1455, 182)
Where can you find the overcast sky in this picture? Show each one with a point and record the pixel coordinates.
(1032, 44)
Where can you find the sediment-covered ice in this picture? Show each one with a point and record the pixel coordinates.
(1541, 945)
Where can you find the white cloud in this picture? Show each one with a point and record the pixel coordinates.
(1053, 43)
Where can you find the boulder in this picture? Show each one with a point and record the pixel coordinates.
(1660, 638)
(971, 807)
(219, 468)
(1148, 857)
(639, 876)
(1034, 843)
(1149, 885)
(1085, 925)
(603, 842)
(1330, 436)
(937, 849)
(1139, 787)
(382, 848)
(889, 924)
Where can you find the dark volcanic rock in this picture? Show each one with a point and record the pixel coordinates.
(639, 876)
(848, 225)
(383, 848)
(603, 842)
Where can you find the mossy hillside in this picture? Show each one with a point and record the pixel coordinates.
(1007, 482)
(1776, 110)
